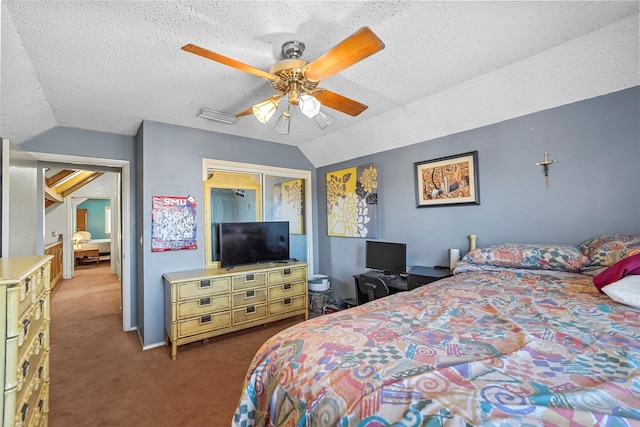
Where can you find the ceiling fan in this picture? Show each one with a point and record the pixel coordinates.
(298, 80)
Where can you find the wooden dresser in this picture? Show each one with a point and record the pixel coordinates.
(201, 304)
(24, 352)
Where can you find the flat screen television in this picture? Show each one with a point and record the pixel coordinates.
(244, 243)
(386, 257)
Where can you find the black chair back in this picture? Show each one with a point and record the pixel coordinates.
(374, 287)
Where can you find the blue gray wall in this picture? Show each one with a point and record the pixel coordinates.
(172, 166)
(593, 188)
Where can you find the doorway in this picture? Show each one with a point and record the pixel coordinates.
(121, 222)
(92, 242)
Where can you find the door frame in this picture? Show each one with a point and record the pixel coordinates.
(125, 222)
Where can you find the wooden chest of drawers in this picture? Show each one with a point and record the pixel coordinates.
(201, 304)
(24, 352)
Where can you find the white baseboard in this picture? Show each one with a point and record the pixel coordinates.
(150, 346)
(154, 345)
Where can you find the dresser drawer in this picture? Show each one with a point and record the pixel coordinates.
(249, 313)
(203, 305)
(286, 305)
(32, 370)
(204, 287)
(11, 354)
(30, 409)
(287, 290)
(13, 312)
(248, 281)
(30, 326)
(204, 323)
(249, 296)
(287, 275)
(38, 415)
(28, 291)
(41, 280)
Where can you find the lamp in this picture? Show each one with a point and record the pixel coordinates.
(322, 119)
(77, 238)
(309, 105)
(264, 110)
(284, 123)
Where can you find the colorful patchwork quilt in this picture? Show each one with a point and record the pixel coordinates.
(490, 348)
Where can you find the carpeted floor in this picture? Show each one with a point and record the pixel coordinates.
(100, 376)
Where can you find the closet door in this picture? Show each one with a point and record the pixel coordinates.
(81, 219)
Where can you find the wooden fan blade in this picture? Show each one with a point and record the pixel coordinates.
(339, 102)
(249, 110)
(228, 61)
(355, 48)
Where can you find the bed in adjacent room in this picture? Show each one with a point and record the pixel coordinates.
(87, 249)
(520, 335)
(102, 245)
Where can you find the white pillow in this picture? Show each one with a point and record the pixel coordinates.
(625, 290)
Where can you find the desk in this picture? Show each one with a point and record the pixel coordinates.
(89, 254)
(417, 277)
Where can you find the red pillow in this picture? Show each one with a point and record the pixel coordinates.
(629, 265)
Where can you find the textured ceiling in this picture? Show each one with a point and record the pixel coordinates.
(446, 67)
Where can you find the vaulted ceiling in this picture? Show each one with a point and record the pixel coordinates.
(446, 66)
(60, 183)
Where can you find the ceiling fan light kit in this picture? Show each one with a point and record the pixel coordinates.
(264, 110)
(322, 119)
(309, 105)
(284, 123)
(298, 80)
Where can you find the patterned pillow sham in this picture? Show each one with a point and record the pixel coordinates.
(608, 249)
(530, 256)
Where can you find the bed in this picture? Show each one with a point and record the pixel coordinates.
(103, 245)
(520, 335)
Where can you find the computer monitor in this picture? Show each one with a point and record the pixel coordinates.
(387, 257)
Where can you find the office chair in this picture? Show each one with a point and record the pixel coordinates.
(374, 287)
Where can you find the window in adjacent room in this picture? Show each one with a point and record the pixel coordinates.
(107, 220)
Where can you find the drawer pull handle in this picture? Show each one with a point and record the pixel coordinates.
(205, 283)
(249, 278)
(286, 271)
(23, 411)
(251, 309)
(205, 301)
(205, 319)
(286, 286)
(24, 289)
(250, 294)
(287, 301)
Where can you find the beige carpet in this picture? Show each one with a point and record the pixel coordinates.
(100, 376)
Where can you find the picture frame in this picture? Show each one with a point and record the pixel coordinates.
(447, 181)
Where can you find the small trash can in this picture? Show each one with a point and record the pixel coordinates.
(319, 291)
